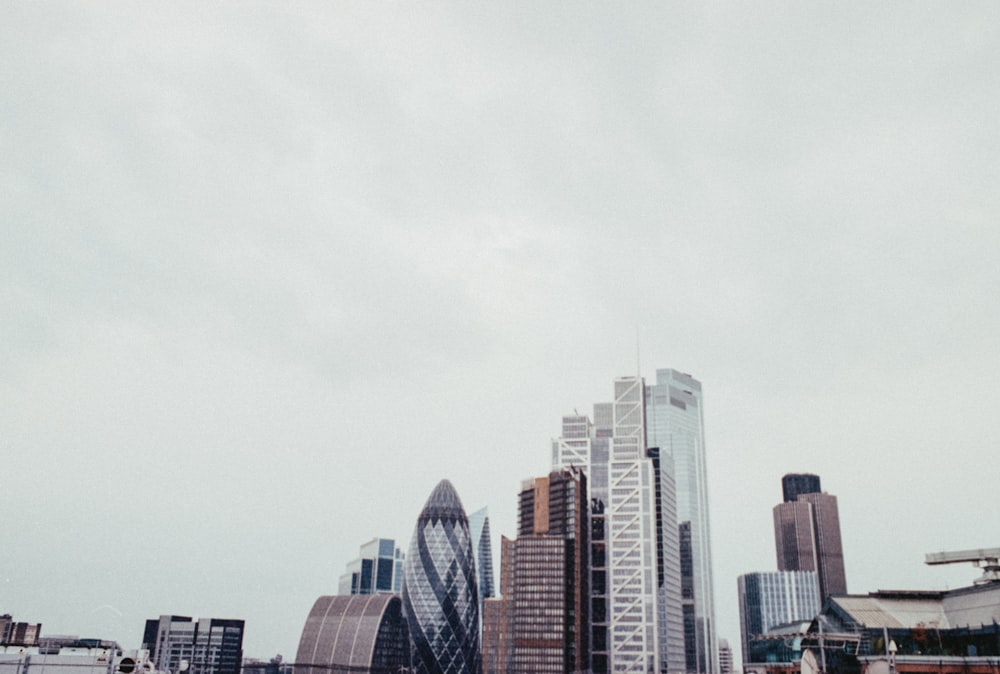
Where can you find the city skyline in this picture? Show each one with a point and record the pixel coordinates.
(269, 272)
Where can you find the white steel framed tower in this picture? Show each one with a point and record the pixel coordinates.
(623, 511)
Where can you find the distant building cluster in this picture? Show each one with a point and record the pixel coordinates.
(24, 650)
(801, 620)
(171, 645)
(610, 572)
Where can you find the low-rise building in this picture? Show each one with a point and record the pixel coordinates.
(78, 658)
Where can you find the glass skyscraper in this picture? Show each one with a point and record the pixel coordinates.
(440, 589)
(675, 424)
(377, 570)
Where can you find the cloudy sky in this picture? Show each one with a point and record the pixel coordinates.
(270, 271)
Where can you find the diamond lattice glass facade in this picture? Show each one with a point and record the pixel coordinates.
(440, 589)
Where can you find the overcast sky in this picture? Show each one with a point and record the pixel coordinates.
(269, 271)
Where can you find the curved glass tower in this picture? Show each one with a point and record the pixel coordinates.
(440, 590)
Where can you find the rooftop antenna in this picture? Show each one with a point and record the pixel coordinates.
(638, 368)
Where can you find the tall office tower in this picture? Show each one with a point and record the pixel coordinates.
(440, 589)
(612, 450)
(675, 424)
(807, 538)
(498, 617)
(479, 525)
(794, 484)
(208, 646)
(774, 598)
(550, 576)
(377, 570)
(354, 634)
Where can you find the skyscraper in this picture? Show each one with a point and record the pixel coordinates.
(208, 646)
(440, 589)
(377, 570)
(807, 538)
(635, 538)
(549, 578)
(772, 598)
(675, 423)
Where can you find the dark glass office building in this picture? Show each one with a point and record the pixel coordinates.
(440, 589)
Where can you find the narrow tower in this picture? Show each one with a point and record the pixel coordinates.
(675, 421)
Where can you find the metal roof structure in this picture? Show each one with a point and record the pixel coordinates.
(349, 633)
(967, 607)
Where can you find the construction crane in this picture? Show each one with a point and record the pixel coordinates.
(987, 559)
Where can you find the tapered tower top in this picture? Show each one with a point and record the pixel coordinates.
(443, 504)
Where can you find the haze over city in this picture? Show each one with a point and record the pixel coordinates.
(270, 272)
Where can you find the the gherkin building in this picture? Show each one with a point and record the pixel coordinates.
(440, 593)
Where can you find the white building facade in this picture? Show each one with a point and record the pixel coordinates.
(636, 579)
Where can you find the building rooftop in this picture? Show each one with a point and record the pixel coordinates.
(899, 609)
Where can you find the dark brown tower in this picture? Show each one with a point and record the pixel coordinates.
(550, 578)
(807, 538)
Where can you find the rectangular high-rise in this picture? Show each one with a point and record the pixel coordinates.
(807, 538)
(377, 570)
(772, 598)
(675, 423)
(207, 646)
(541, 623)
